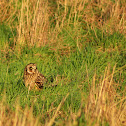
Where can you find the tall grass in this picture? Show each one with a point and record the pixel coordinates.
(104, 103)
(44, 22)
(81, 44)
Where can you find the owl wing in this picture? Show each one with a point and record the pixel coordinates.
(40, 81)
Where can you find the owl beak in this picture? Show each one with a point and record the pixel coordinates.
(34, 67)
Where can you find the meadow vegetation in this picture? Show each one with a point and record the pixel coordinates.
(81, 44)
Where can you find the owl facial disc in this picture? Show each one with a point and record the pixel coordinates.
(31, 68)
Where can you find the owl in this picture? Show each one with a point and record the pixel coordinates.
(33, 79)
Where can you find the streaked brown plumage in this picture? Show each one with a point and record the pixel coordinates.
(33, 79)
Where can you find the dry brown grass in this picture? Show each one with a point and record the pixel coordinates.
(33, 23)
(33, 19)
(104, 103)
(19, 117)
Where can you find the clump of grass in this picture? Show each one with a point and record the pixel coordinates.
(105, 105)
(19, 117)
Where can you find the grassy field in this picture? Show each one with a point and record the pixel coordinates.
(81, 44)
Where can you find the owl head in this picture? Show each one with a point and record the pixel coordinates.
(31, 68)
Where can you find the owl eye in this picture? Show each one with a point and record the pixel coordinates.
(30, 68)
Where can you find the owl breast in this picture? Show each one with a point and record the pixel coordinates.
(29, 80)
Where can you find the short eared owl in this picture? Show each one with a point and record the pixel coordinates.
(33, 79)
